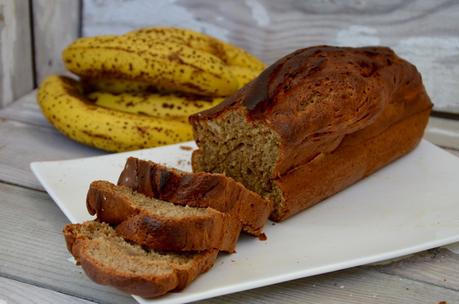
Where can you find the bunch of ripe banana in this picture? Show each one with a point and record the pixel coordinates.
(137, 90)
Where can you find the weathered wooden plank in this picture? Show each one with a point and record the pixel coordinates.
(16, 72)
(56, 24)
(443, 132)
(33, 249)
(349, 286)
(438, 266)
(25, 110)
(16, 292)
(22, 143)
(453, 151)
(425, 32)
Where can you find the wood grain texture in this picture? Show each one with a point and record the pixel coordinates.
(56, 24)
(349, 286)
(16, 72)
(16, 292)
(439, 267)
(33, 249)
(22, 143)
(453, 151)
(26, 110)
(424, 32)
(443, 132)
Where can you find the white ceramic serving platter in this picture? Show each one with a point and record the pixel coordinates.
(409, 206)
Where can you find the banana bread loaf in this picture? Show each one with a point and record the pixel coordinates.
(109, 260)
(197, 190)
(313, 123)
(161, 225)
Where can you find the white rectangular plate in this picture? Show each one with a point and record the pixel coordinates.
(409, 206)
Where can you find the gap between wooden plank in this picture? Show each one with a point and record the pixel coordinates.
(20, 292)
(22, 186)
(348, 286)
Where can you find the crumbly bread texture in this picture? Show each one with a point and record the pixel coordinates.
(109, 260)
(161, 225)
(198, 190)
(313, 123)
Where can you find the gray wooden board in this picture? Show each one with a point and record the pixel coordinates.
(12, 292)
(443, 132)
(26, 110)
(348, 286)
(424, 32)
(16, 72)
(56, 24)
(439, 267)
(21, 143)
(33, 251)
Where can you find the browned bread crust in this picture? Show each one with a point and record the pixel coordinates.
(170, 228)
(335, 111)
(197, 190)
(161, 275)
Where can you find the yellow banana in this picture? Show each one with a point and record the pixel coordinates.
(158, 105)
(116, 86)
(244, 75)
(229, 54)
(63, 104)
(165, 65)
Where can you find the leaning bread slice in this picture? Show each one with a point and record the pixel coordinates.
(162, 225)
(197, 190)
(109, 260)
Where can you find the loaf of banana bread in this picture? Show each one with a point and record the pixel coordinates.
(313, 123)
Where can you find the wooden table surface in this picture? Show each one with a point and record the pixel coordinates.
(35, 266)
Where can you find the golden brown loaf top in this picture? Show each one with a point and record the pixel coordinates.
(313, 97)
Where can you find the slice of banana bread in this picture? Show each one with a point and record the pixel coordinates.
(313, 123)
(197, 190)
(161, 225)
(109, 260)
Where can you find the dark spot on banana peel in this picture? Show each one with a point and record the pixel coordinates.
(175, 57)
(142, 130)
(102, 136)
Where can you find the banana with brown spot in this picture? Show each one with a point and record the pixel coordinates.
(167, 66)
(228, 53)
(152, 104)
(63, 104)
(118, 86)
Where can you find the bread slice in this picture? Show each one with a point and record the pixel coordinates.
(161, 225)
(197, 190)
(109, 260)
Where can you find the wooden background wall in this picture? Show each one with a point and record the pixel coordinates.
(423, 31)
(16, 68)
